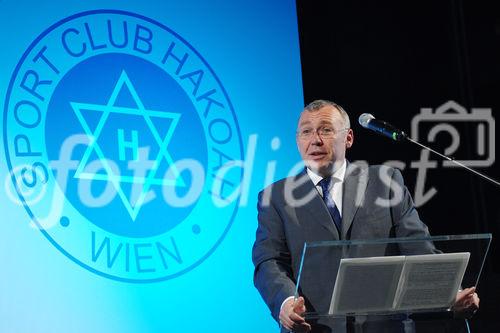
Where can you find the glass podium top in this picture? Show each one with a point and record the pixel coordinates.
(389, 276)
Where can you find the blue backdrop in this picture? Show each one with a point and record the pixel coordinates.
(135, 138)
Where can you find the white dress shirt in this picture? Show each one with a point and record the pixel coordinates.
(336, 185)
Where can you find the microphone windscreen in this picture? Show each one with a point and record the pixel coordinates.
(364, 119)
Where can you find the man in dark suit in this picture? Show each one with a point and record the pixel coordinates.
(330, 200)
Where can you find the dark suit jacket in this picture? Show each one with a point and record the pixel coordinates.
(286, 223)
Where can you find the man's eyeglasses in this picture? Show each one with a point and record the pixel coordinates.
(324, 132)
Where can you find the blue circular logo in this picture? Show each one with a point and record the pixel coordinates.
(123, 146)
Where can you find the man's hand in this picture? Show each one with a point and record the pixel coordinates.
(466, 303)
(291, 315)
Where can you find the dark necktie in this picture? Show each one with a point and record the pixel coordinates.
(330, 204)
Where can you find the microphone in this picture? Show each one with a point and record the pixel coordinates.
(368, 121)
(381, 127)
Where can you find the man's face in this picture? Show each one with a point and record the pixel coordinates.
(322, 152)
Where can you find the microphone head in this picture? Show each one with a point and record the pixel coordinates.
(365, 118)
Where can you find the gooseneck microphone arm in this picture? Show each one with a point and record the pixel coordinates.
(383, 128)
(454, 162)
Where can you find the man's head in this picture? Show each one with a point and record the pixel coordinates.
(323, 135)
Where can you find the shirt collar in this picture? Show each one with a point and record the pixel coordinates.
(338, 175)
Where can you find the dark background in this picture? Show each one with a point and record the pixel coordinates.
(392, 58)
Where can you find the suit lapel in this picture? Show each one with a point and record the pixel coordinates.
(315, 207)
(355, 182)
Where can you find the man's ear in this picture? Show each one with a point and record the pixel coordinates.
(349, 140)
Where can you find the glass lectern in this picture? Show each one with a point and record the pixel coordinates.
(387, 277)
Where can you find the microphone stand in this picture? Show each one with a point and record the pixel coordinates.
(491, 180)
(385, 129)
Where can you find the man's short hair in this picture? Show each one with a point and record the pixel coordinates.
(320, 103)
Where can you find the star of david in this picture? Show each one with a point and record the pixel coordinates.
(110, 175)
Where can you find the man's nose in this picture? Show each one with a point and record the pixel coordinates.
(316, 139)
